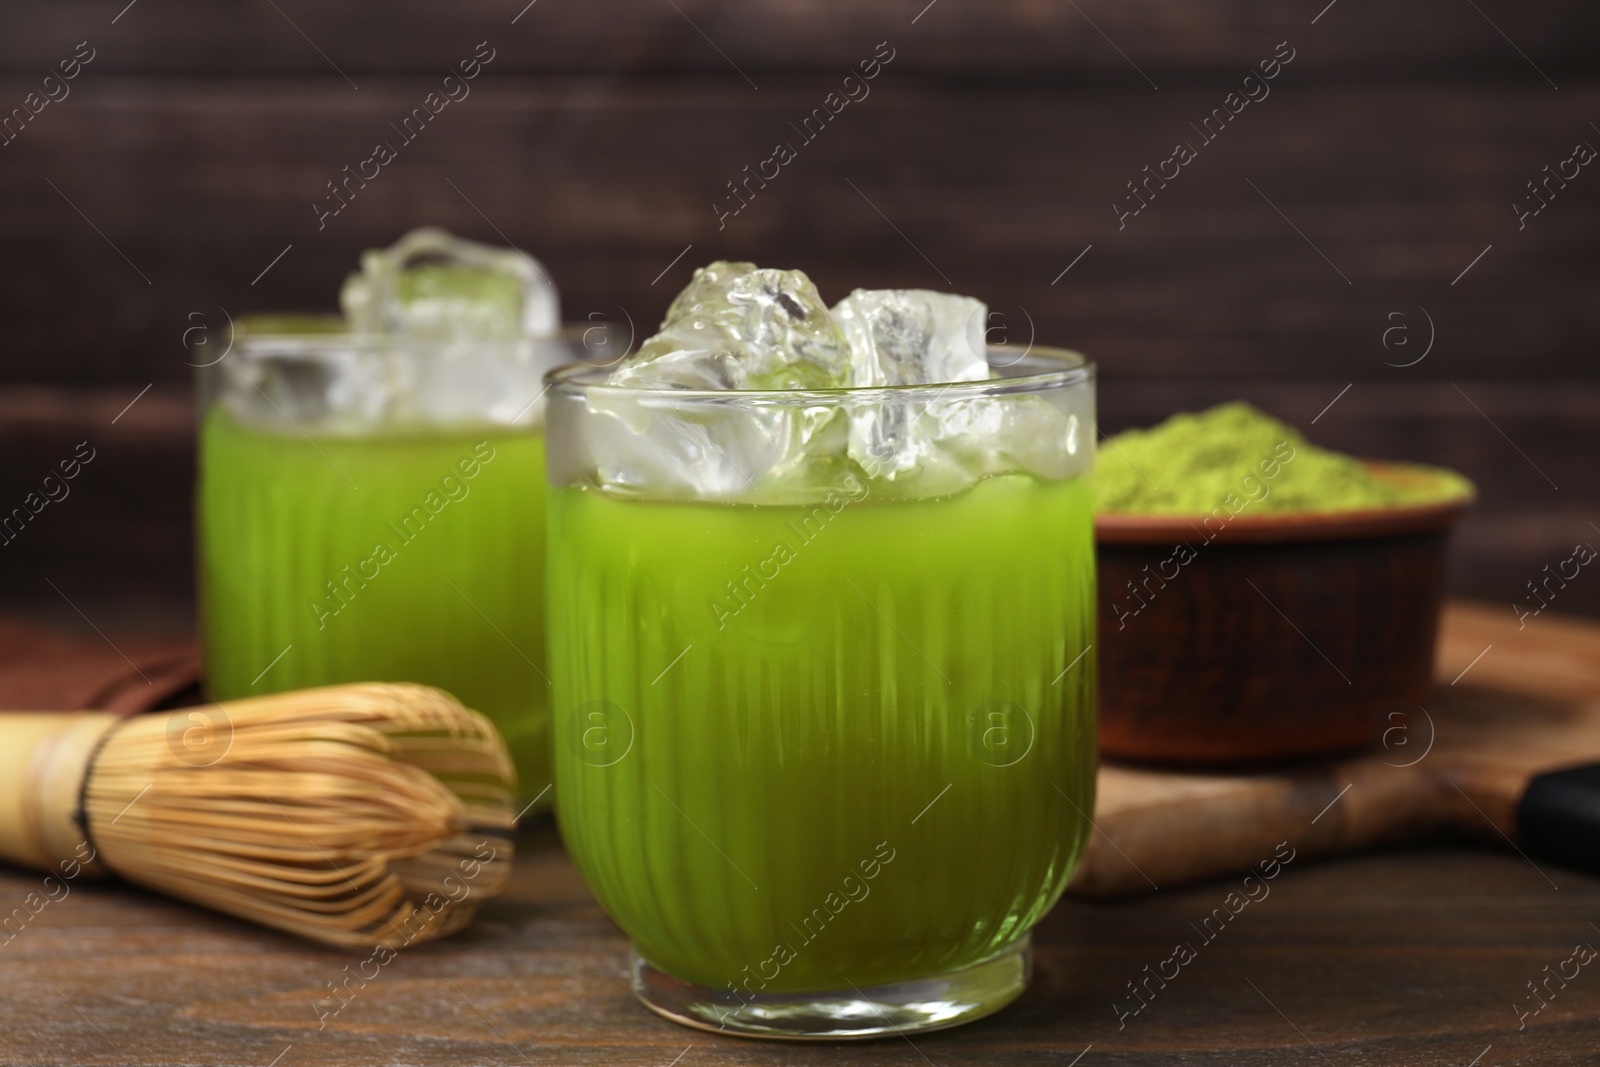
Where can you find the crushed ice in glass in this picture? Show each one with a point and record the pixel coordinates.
(738, 327)
(436, 330)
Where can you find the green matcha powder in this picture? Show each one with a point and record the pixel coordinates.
(1233, 453)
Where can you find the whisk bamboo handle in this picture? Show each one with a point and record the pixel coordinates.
(44, 757)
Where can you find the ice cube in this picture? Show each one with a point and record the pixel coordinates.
(304, 380)
(735, 326)
(739, 326)
(470, 328)
(914, 337)
(657, 444)
(432, 284)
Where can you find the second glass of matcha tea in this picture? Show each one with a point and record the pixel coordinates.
(371, 496)
(820, 601)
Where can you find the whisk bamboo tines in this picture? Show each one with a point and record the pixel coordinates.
(358, 815)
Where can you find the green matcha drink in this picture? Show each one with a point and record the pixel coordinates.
(379, 557)
(870, 657)
(372, 493)
(824, 724)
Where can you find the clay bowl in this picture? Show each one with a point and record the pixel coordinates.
(1247, 639)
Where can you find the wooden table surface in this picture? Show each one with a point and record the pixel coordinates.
(1406, 957)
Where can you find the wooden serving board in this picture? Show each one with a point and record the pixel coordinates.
(1508, 704)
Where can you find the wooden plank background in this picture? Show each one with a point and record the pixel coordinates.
(188, 153)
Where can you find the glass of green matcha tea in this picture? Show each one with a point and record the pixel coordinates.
(372, 494)
(821, 596)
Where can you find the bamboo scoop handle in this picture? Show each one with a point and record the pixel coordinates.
(44, 758)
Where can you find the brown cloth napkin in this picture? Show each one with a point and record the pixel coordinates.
(44, 670)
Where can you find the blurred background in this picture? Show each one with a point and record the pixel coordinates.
(1391, 244)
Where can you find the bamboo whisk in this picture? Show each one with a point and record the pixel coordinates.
(358, 815)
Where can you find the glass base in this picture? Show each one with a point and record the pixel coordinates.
(898, 1008)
